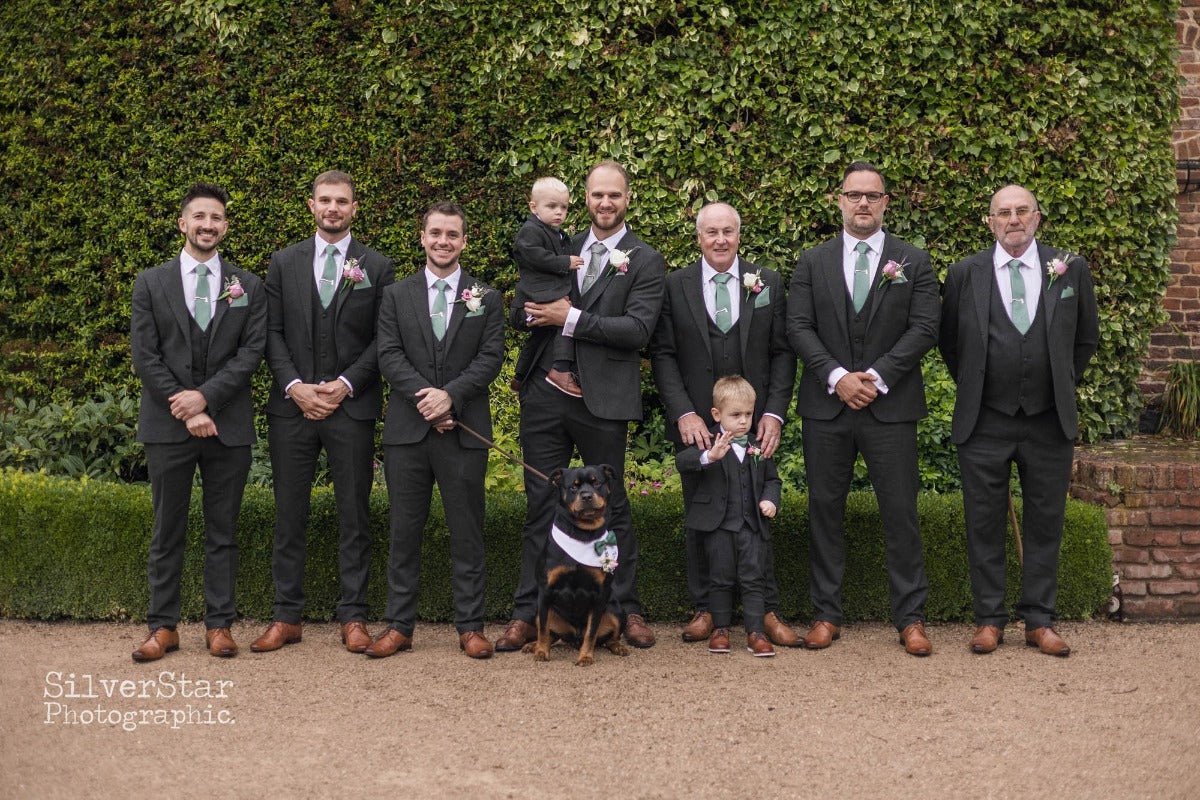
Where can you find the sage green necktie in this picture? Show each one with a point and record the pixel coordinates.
(202, 307)
(862, 276)
(1020, 308)
(721, 304)
(438, 315)
(328, 280)
(593, 268)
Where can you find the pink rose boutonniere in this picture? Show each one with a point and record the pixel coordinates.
(893, 273)
(472, 298)
(233, 290)
(352, 272)
(1057, 267)
(755, 452)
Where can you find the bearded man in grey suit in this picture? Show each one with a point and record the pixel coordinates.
(323, 298)
(862, 311)
(1019, 326)
(198, 333)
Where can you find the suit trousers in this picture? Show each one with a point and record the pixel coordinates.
(553, 427)
(411, 471)
(1043, 456)
(890, 451)
(349, 444)
(735, 560)
(696, 558)
(223, 472)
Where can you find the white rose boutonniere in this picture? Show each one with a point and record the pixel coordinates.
(618, 260)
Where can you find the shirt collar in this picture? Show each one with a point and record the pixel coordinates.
(707, 272)
(452, 279)
(874, 241)
(611, 242)
(188, 264)
(343, 245)
(1029, 258)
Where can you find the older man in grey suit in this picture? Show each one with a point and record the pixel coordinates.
(198, 333)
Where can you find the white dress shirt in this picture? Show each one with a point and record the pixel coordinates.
(339, 259)
(710, 290)
(849, 259)
(431, 291)
(610, 244)
(187, 270)
(1031, 273)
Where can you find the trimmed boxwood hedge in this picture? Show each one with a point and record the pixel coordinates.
(77, 549)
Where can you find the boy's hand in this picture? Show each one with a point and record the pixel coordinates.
(576, 262)
(720, 447)
(767, 508)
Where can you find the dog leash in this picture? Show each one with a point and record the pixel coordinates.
(500, 450)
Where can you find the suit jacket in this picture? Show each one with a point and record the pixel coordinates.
(289, 326)
(902, 325)
(682, 360)
(619, 314)
(161, 341)
(472, 352)
(1072, 331)
(545, 265)
(706, 511)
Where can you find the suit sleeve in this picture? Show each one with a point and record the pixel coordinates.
(665, 366)
(531, 253)
(802, 323)
(921, 332)
(632, 329)
(364, 372)
(279, 356)
(1087, 325)
(394, 363)
(235, 375)
(146, 346)
(951, 298)
(474, 380)
(782, 380)
(772, 486)
(688, 460)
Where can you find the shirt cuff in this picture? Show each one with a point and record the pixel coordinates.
(686, 414)
(349, 385)
(835, 376)
(704, 462)
(572, 320)
(773, 416)
(879, 384)
(287, 390)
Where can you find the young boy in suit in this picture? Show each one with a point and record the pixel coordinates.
(739, 491)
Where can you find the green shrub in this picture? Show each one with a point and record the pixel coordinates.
(77, 549)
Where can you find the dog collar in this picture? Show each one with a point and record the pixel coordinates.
(599, 552)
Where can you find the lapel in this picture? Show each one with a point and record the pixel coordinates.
(457, 310)
(888, 253)
(829, 271)
(693, 295)
(303, 282)
(1049, 293)
(627, 243)
(746, 312)
(355, 250)
(222, 305)
(171, 281)
(982, 273)
(417, 296)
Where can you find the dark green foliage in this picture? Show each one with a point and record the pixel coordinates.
(109, 110)
(78, 549)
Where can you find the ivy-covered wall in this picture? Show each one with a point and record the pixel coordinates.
(108, 110)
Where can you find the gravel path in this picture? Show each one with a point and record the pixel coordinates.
(1120, 718)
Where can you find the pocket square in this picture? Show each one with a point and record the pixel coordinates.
(1067, 293)
(365, 283)
(763, 298)
(239, 302)
(476, 313)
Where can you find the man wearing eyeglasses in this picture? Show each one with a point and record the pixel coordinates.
(1018, 328)
(862, 311)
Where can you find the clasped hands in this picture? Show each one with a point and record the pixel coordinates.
(435, 406)
(318, 400)
(857, 389)
(189, 406)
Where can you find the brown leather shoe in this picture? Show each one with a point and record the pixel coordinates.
(276, 636)
(518, 634)
(700, 628)
(565, 382)
(160, 642)
(758, 645)
(637, 632)
(389, 643)
(986, 639)
(779, 632)
(475, 644)
(915, 642)
(822, 634)
(355, 636)
(220, 642)
(719, 641)
(1048, 641)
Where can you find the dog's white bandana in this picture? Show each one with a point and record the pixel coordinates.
(599, 552)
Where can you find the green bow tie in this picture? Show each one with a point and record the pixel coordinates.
(742, 440)
(609, 540)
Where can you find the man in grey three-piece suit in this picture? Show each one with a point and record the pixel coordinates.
(862, 311)
(1019, 325)
(198, 333)
(323, 296)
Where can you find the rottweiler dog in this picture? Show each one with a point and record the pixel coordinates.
(575, 572)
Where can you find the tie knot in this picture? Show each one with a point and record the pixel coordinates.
(862, 248)
(1014, 264)
(441, 285)
(202, 270)
(331, 249)
(598, 248)
(722, 277)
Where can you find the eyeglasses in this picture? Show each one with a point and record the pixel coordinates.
(872, 197)
(1022, 213)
